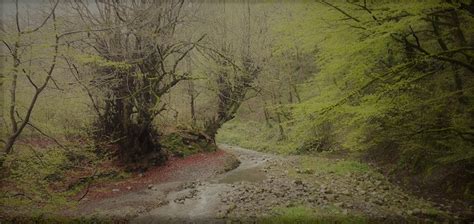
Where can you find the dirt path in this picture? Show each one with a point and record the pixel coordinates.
(205, 200)
(265, 185)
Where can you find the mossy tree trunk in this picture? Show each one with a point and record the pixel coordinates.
(139, 58)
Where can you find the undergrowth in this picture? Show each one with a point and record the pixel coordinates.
(302, 214)
(41, 180)
(182, 145)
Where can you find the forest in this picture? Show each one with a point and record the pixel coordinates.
(250, 111)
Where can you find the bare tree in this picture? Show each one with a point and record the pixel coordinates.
(14, 48)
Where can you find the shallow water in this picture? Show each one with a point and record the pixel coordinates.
(254, 174)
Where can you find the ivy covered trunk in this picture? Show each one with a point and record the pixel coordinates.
(138, 61)
(231, 94)
(130, 128)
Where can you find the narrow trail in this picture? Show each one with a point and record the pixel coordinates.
(263, 183)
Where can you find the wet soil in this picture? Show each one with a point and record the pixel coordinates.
(258, 187)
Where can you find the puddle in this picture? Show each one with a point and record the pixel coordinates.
(249, 175)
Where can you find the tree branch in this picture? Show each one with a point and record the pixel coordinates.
(340, 10)
(44, 21)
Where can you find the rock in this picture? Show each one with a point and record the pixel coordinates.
(140, 175)
(346, 192)
(399, 213)
(129, 188)
(345, 211)
(115, 190)
(331, 197)
(416, 211)
(298, 182)
(378, 202)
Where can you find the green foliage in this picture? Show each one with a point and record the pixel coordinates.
(29, 175)
(302, 214)
(394, 108)
(293, 215)
(254, 135)
(373, 91)
(40, 181)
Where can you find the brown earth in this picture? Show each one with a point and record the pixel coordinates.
(215, 188)
(197, 190)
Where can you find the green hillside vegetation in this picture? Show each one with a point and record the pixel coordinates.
(393, 80)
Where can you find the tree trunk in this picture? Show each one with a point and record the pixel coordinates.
(13, 91)
(458, 82)
(135, 136)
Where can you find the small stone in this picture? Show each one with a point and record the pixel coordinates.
(129, 188)
(298, 182)
(377, 201)
(345, 211)
(346, 192)
(331, 197)
(140, 175)
(150, 186)
(115, 190)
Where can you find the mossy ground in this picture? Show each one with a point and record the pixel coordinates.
(303, 215)
(42, 180)
(178, 145)
(256, 136)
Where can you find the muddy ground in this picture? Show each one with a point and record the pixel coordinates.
(264, 185)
